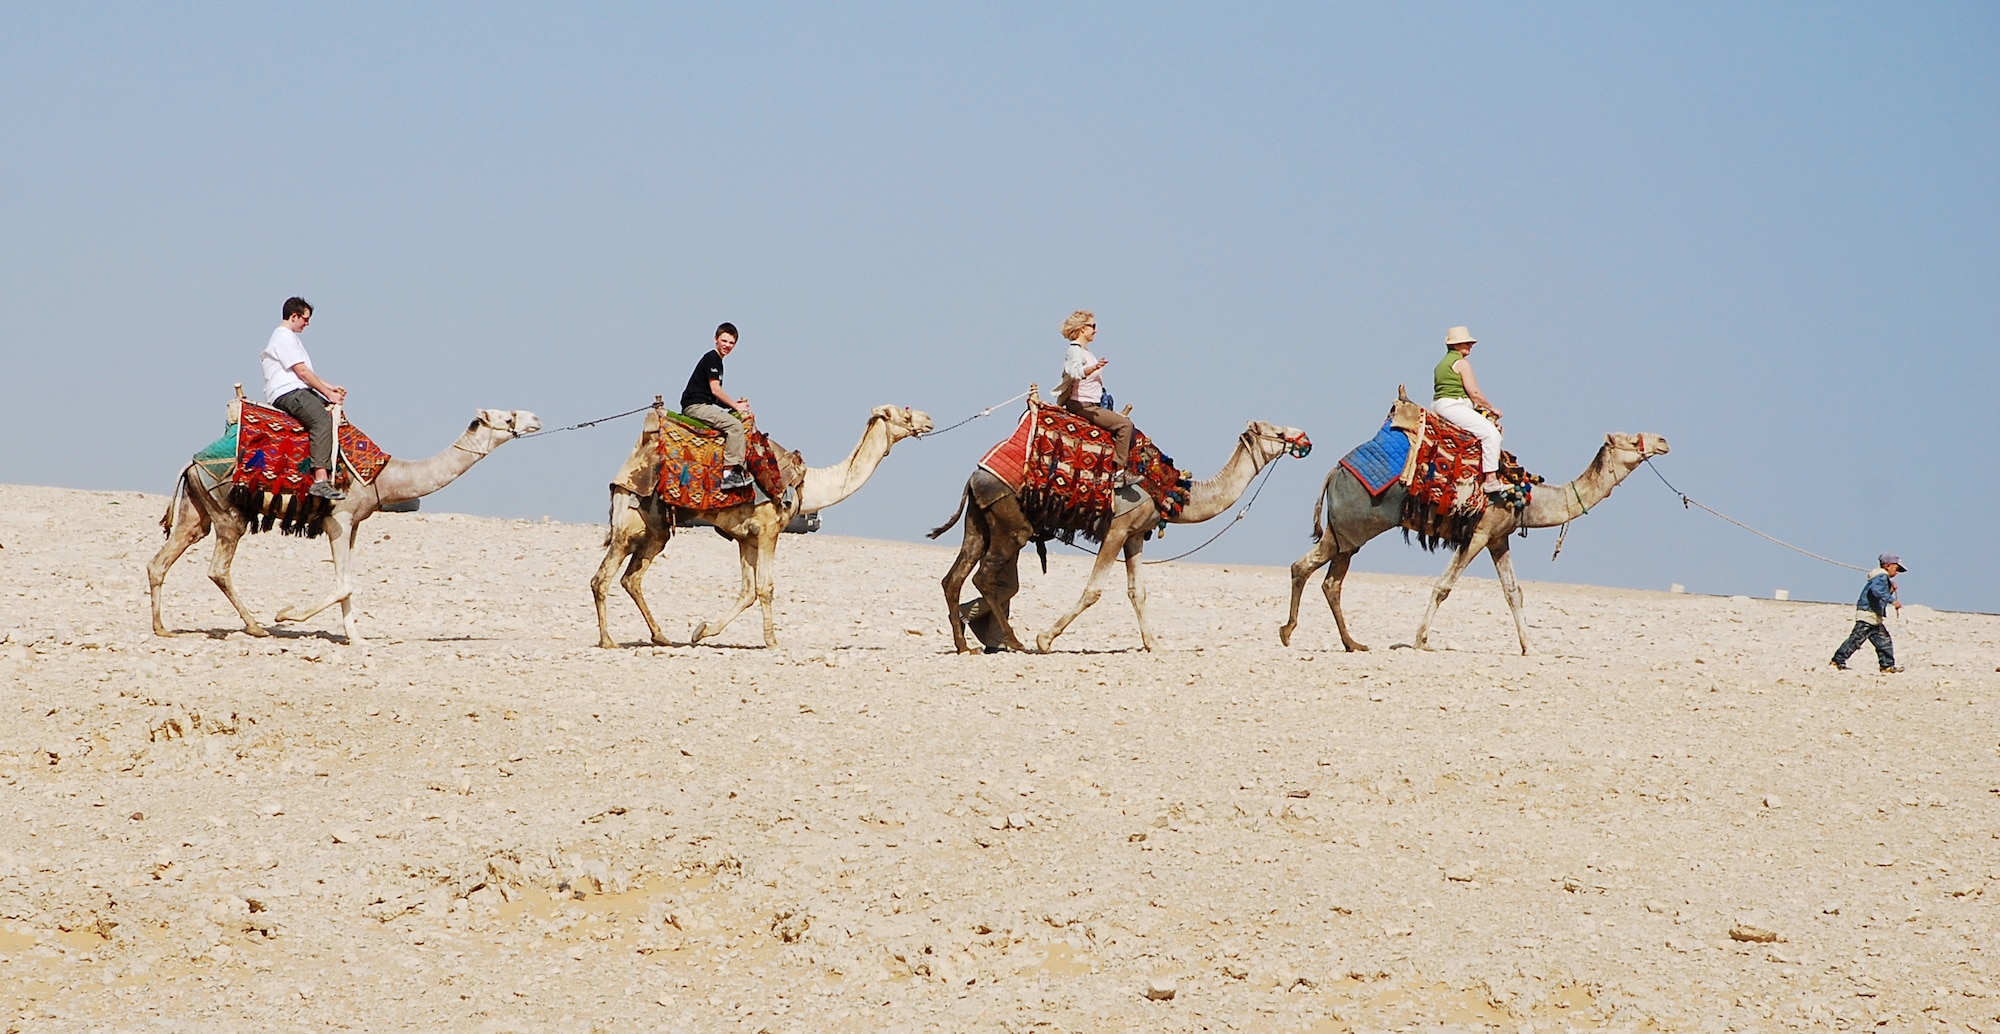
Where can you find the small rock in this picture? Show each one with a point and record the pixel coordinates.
(1753, 934)
(1161, 989)
(138, 816)
(1658, 907)
(1460, 873)
(1016, 820)
(1773, 801)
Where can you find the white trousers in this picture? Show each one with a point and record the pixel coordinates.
(1462, 413)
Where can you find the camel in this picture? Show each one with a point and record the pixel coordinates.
(1351, 518)
(641, 523)
(194, 510)
(996, 529)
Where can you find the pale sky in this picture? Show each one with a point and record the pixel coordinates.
(1764, 231)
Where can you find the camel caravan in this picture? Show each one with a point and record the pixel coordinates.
(1075, 467)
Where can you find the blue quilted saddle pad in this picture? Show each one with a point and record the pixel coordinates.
(1378, 462)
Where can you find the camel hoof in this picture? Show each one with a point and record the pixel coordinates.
(660, 640)
(1043, 642)
(257, 630)
(1357, 647)
(605, 643)
(697, 634)
(1285, 634)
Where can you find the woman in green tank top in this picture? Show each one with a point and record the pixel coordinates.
(1456, 397)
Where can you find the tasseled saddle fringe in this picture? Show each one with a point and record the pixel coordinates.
(1433, 529)
(298, 513)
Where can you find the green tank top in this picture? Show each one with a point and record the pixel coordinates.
(1445, 381)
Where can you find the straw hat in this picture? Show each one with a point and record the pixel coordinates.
(1459, 336)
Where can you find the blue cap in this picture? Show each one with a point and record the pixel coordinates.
(1890, 558)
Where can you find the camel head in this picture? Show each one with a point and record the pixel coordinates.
(1630, 450)
(509, 423)
(1405, 414)
(903, 421)
(1268, 441)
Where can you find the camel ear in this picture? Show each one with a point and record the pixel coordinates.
(1402, 394)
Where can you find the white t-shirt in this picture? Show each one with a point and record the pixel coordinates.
(1089, 387)
(284, 351)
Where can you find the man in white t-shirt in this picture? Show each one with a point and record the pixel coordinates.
(291, 385)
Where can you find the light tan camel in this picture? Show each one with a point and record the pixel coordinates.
(641, 523)
(195, 510)
(1346, 517)
(996, 529)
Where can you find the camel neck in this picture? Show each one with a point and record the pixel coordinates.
(1213, 495)
(402, 480)
(825, 486)
(1560, 504)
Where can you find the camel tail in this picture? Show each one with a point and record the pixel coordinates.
(963, 498)
(173, 504)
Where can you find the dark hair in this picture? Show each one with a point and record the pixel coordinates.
(296, 306)
(729, 329)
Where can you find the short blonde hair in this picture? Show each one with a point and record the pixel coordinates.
(1077, 320)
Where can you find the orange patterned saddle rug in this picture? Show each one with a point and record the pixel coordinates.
(1060, 466)
(1444, 503)
(691, 465)
(274, 469)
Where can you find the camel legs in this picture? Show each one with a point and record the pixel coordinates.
(635, 537)
(340, 531)
(1336, 576)
(997, 580)
(1106, 556)
(1503, 565)
(228, 533)
(1442, 589)
(758, 554)
(1135, 588)
(190, 525)
(969, 553)
(1302, 569)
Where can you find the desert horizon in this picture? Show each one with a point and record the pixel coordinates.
(1673, 816)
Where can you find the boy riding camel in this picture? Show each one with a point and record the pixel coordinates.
(291, 385)
(1083, 374)
(704, 400)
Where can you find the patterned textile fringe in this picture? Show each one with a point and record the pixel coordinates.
(1066, 478)
(294, 513)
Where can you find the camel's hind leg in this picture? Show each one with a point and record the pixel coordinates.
(1302, 569)
(1092, 590)
(998, 579)
(189, 525)
(1503, 565)
(962, 567)
(1442, 589)
(632, 535)
(228, 534)
(1336, 577)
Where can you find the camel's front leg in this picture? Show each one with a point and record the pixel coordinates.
(1135, 549)
(1443, 588)
(746, 553)
(1503, 565)
(338, 528)
(227, 535)
(631, 536)
(1092, 589)
(998, 580)
(765, 575)
(189, 527)
(1302, 569)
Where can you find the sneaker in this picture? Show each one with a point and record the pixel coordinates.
(1839, 666)
(735, 478)
(1892, 670)
(325, 490)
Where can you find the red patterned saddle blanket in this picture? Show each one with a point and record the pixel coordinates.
(274, 453)
(1444, 503)
(691, 465)
(274, 469)
(1059, 464)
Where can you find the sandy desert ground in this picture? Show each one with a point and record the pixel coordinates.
(1675, 817)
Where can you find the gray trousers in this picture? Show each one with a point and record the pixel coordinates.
(726, 421)
(305, 406)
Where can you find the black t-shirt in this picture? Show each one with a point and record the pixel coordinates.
(697, 393)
